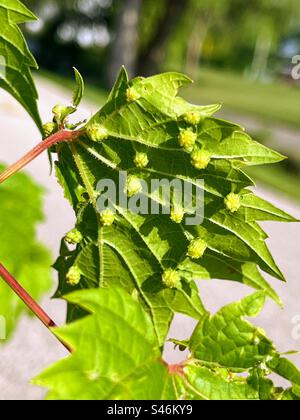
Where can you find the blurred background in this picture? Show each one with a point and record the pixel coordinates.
(239, 53)
(243, 54)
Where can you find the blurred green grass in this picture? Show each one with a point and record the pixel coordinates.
(275, 102)
(275, 177)
(241, 96)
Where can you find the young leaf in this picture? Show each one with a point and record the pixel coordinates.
(79, 91)
(229, 341)
(16, 60)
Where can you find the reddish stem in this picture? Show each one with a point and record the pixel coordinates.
(60, 137)
(29, 301)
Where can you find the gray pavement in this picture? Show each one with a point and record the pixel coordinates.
(33, 348)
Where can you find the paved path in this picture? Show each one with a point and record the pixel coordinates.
(32, 348)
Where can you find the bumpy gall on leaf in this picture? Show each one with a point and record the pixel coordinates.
(96, 132)
(232, 202)
(74, 276)
(197, 248)
(141, 160)
(171, 278)
(107, 217)
(200, 158)
(187, 139)
(74, 237)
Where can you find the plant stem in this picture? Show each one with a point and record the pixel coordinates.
(29, 301)
(60, 137)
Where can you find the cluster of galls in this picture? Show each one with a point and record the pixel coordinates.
(200, 159)
(74, 237)
(188, 137)
(171, 278)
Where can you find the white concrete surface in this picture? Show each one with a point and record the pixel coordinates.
(33, 348)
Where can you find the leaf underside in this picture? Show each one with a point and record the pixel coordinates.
(136, 249)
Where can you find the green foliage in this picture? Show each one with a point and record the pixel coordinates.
(20, 251)
(117, 356)
(157, 258)
(131, 273)
(15, 71)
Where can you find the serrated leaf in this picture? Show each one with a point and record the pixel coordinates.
(240, 146)
(206, 384)
(117, 356)
(261, 384)
(286, 369)
(227, 340)
(257, 208)
(121, 337)
(15, 70)
(247, 232)
(20, 252)
(146, 116)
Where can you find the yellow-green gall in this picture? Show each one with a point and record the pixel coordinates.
(49, 128)
(107, 217)
(74, 237)
(96, 132)
(141, 160)
(177, 214)
(187, 139)
(59, 111)
(132, 95)
(133, 186)
(200, 158)
(74, 276)
(232, 202)
(193, 117)
(197, 248)
(171, 278)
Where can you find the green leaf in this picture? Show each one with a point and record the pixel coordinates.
(125, 362)
(240, 146)
(136, 250)
(20, 252)
(289, 395)
(285, 368)
(117, 356)
(257, 208)
(15, 71)
(207, 384)
(79, 91)
(248, 233)
(161, 90)
(146, 117)
(263, 385)
(227, 340)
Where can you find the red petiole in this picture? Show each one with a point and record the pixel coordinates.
(29, 301)
(60, 137)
